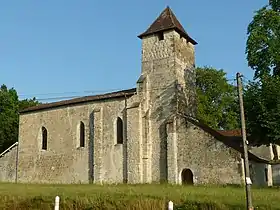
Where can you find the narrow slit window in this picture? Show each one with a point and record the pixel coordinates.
(160, 36)
(266, 174)
(82, 134)
(44, 138)
(119, 131)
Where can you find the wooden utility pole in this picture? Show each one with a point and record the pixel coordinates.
(243, 128)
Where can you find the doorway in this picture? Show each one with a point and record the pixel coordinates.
(187, 177)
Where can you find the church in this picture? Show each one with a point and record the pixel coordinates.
(147, 134)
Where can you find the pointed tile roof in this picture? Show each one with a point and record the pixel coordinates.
(167, 21)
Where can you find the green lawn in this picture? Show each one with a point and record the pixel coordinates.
(28, 196)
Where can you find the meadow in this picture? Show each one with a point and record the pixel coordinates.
(132, 197)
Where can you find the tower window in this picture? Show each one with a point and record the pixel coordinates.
(119, 131)
(44, 138)
(160, 36)
(82, 134)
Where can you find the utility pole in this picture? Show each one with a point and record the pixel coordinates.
(243, 128)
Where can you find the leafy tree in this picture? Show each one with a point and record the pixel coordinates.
(217, 99)
(10, 106)
(275, 4)
(262, 110)
(262, 97)
(8, 117)
(263, 43)
(23, 104)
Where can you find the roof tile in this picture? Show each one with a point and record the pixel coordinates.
(167, 21)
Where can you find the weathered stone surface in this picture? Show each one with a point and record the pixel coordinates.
(209, 159)
(64, 161)
(8, 166)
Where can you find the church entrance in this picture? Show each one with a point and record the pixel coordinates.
(187, 177)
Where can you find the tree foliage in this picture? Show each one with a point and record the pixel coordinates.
(263, 43)
(25, 103)
(275, 5)
(262, 110)
(8, 117)
(262, 96)
(10, 106)
(217, 99)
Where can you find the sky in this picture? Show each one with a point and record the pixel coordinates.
(57, 48)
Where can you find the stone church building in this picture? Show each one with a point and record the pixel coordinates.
(141, 135)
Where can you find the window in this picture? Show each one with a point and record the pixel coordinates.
(82, 134)
(160, 36)
(44, 138)
(119, 131)
(266, 174)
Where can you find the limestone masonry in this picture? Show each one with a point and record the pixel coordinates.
(142, 135)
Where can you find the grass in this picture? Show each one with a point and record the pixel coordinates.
(140, 197)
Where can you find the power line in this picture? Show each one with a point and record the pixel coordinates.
(59, 98)
(80, 93)
(78, 96)
(73, 92)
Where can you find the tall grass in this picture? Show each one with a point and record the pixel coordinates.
(140, 197)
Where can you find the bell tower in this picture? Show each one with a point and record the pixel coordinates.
(166, 86)
(168, 59)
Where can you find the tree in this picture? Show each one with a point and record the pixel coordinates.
(262, 110)
(25, 103)
(10, 106)
(263, 43)
(217, 99)
(8, 117)
(261, 96)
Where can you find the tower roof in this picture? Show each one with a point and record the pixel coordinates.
(167, 21)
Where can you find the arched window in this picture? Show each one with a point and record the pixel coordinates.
(119, 131)
(44, 138)
(82, 134)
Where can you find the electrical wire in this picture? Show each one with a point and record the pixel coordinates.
(83, 93)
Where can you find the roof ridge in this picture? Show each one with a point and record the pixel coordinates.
(224, 139)
(171, 15)
(83, 99)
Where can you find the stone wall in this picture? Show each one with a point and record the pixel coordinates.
(64, 161)
(134, 146)
(8, 166)
(210, 160)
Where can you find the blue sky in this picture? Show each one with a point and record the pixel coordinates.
(67, 47)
